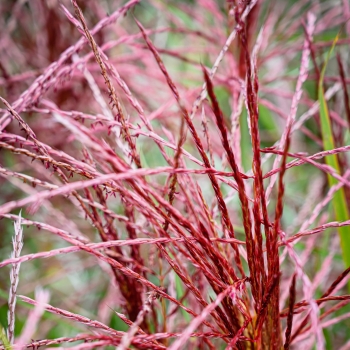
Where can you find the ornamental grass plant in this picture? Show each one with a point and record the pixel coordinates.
(175, 174)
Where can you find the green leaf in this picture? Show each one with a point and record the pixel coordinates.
(339, 202)
(4, 340)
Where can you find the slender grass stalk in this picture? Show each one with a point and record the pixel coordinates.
(17, 242)
(42, 296)
(146, 308)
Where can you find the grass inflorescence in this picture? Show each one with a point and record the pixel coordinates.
(180, 172)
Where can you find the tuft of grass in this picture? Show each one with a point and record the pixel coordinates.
(171, 159)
